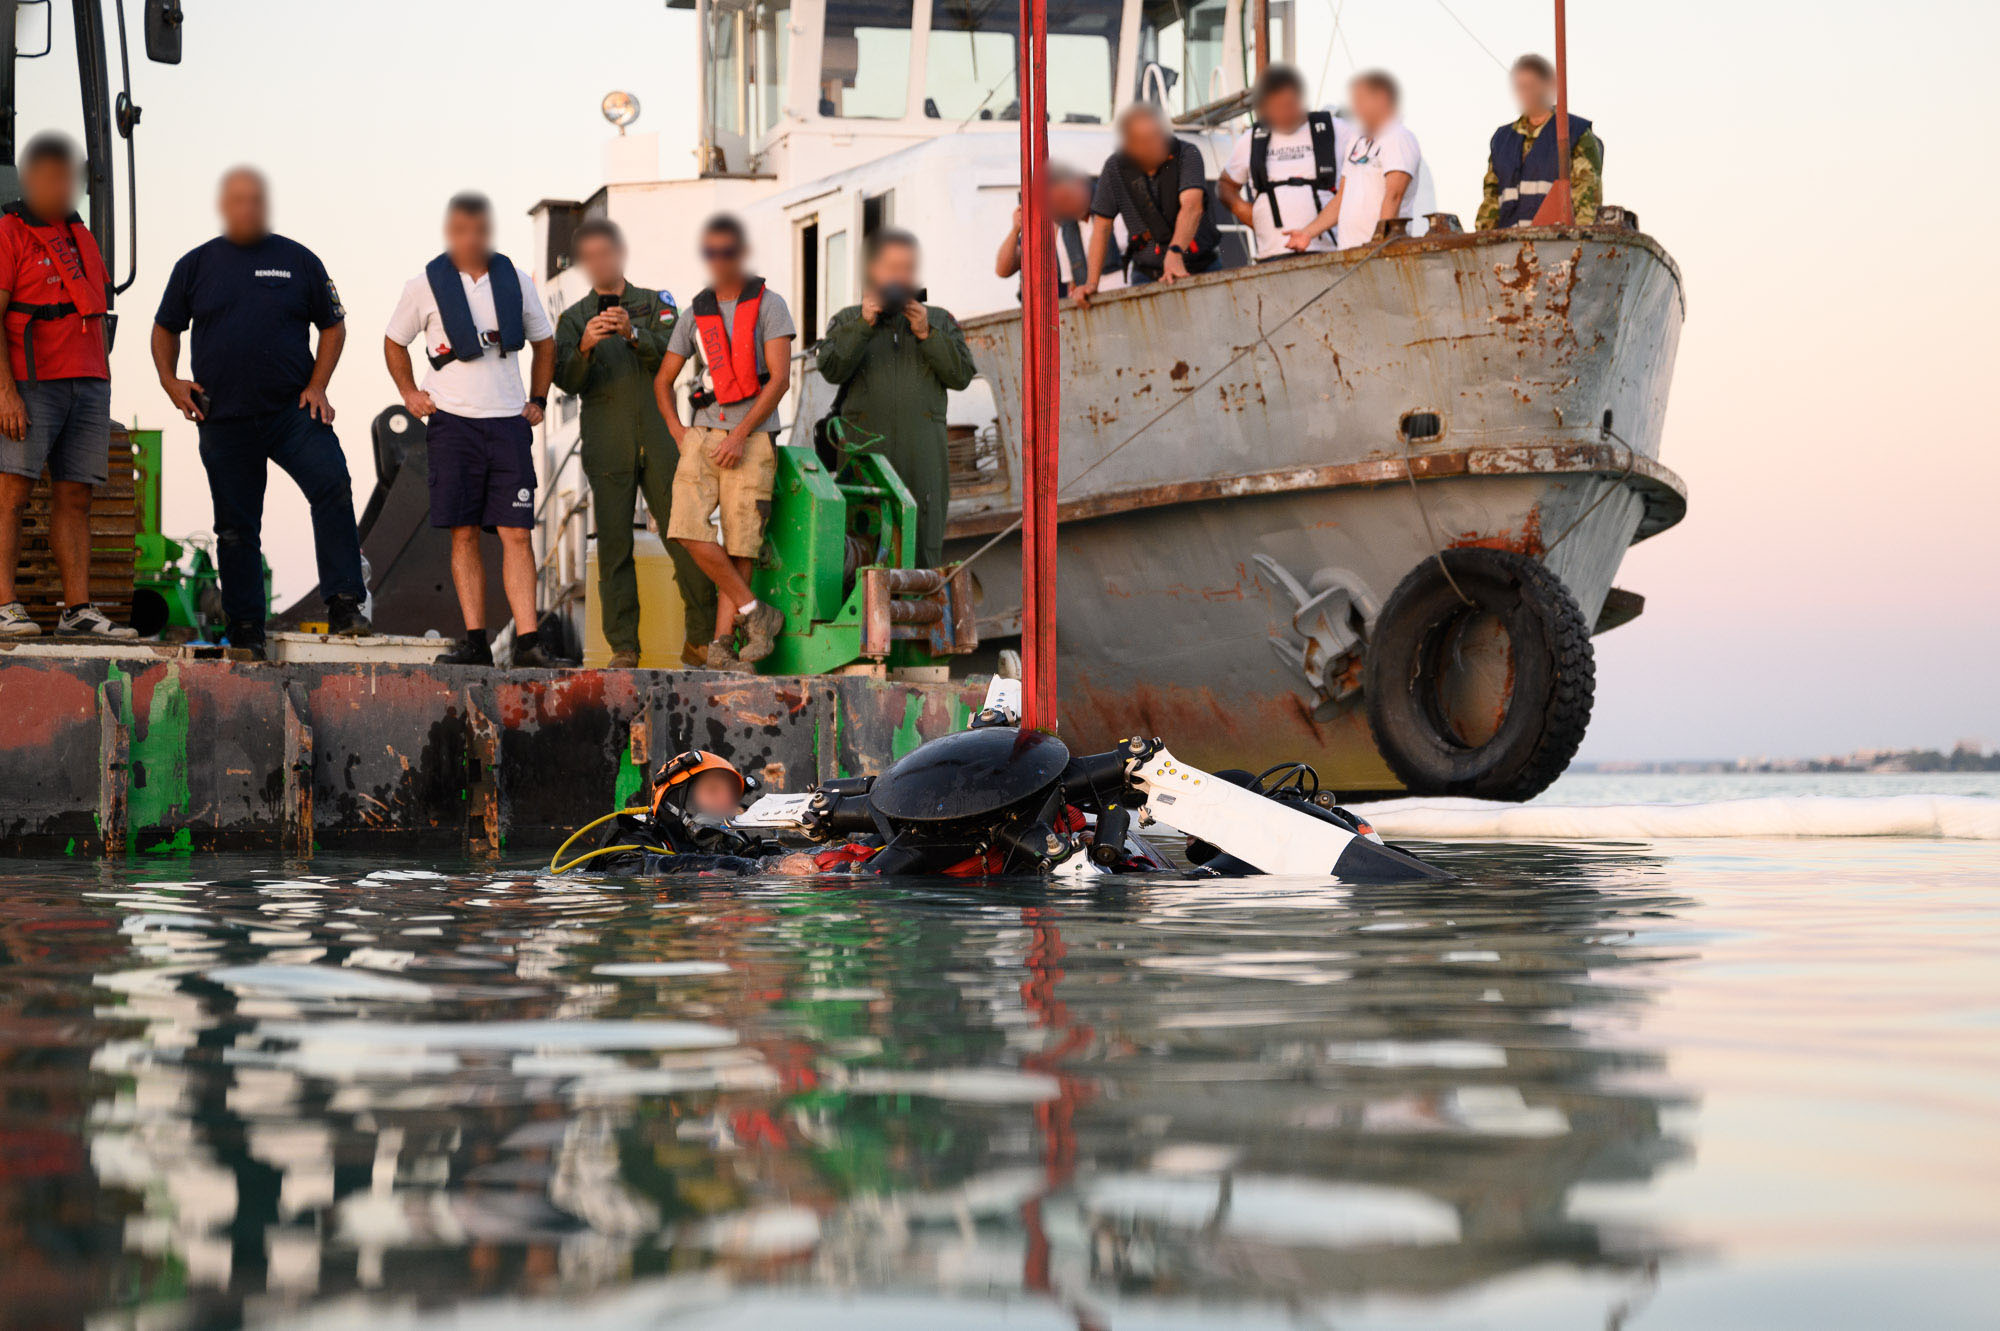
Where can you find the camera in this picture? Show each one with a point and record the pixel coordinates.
(895, 296)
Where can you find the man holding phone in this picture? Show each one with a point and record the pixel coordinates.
(259, 396)
(608, 348)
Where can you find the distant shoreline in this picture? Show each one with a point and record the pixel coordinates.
(1964, 758)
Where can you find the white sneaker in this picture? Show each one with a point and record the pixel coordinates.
(87, 621)
(14, 621)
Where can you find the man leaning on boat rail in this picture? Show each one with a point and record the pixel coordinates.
(1157, 183)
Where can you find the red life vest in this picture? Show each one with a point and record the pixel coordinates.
(87, 290)
(730, 352)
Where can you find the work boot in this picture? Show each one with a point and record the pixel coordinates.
(87, 621)
(623, 660)
(468, 651)
(345, 620)
(694, 654)
(14, 623)
(723, 658)
(532, 656)
(760, 631)
(247, 638)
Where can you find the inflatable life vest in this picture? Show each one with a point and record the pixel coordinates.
(729, 352)
(86, 290)
(1525, 180)
(462, 339)
(1326, 162)
(1152, 230)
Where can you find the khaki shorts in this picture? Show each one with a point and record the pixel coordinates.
(740, 494)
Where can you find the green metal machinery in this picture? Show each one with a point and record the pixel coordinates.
(837, 561)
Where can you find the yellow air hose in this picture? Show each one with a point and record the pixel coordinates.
(601, 850)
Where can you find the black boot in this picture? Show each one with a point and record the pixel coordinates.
(533, 656)
(469, 650)
(245, 636)
(345, 620)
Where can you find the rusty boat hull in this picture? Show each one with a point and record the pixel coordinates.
(1243, 450)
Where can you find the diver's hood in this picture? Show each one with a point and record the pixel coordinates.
(968, 775)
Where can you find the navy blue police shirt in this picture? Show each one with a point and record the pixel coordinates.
(251, 306)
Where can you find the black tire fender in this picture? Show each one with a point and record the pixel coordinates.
(1553, 676)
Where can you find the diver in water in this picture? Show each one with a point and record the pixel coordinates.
(688, 829)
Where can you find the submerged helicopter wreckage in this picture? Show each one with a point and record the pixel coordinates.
(996, 799)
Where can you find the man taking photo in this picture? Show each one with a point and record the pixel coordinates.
(55, 382)
(895, 358)
(741, 332)
(609, 345)
(474, 311)
(258, 396)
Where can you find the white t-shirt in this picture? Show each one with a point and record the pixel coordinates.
(482, 389)
(1290, 157)
(1370, 158)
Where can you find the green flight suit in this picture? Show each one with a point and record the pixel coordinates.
(626, 450)
(895, 403)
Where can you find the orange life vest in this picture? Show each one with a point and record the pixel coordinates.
(730, 351)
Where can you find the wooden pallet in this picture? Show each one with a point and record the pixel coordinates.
(113, 526)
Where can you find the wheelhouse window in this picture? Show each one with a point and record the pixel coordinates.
(727, 77)
(1182, 50)
(748, 54)
(972, 57)
(864, 68)
(772, 26)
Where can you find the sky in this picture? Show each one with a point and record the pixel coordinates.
(1813, 171)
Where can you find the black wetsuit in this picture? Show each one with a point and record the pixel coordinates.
(667, 847)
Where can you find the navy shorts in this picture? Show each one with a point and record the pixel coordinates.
(482, 471)
(69, 431)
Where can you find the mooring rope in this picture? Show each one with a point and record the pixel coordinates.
(1631, 464)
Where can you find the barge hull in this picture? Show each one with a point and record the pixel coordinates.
(145, 753)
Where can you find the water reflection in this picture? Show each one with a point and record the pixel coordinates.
(257, 1093)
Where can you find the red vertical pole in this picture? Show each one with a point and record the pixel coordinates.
(1041, 391)
(1559, 208)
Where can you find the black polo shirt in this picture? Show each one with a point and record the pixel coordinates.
(251, 307)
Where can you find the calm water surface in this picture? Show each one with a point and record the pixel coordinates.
(1691, 1084)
